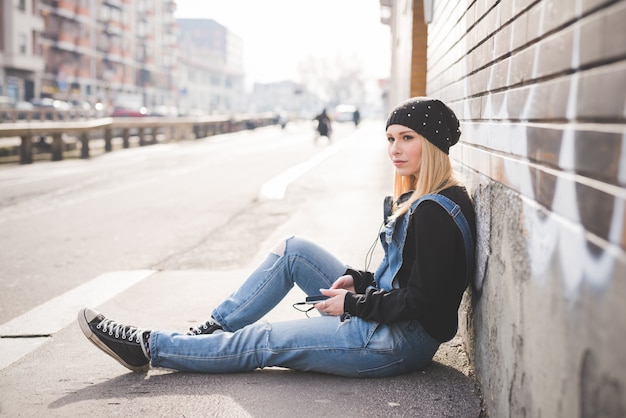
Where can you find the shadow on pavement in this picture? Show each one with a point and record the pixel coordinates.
(437, 390)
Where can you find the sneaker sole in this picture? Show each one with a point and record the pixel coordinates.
(84, 327)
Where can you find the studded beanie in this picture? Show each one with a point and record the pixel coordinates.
(430, 118)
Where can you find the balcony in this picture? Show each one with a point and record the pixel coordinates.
(67, 5)
(24, 62)
(67, 9)
(114, 3)
(83, 72)
(83, 42)
(66, 41)
(112, 27)
(82, 11)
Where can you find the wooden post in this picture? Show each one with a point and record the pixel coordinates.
(57, 147)
(142, 141)
(126, 137)
(26, 150)
(84, 145)
(108, 140)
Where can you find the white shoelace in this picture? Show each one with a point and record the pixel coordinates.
(205, 325)
(125, 331)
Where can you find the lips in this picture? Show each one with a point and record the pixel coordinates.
(398, 162)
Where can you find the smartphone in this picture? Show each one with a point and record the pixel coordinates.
(315, 299)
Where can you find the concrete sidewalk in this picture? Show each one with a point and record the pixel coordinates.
(68, 377)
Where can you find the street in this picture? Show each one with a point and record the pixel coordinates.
(154, 207)
(156, 237)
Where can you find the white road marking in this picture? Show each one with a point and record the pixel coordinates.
(275, 188)
(25, 333)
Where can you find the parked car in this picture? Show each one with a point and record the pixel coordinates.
(129, 112)
(22, 105)
(344, 113)
(81, 106)
(50, 103)
(164, 111)
(23, 109)
(49, 106)
(5, 102)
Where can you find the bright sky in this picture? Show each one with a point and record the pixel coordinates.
(278, 35)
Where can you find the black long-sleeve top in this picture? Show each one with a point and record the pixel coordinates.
(432, 276)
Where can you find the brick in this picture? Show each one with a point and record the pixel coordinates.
(591, 42)
(557, 13)
(480, 56)
(549, 100)
(497, 103)
(506, 12)
(597, 155)
(602, 94)
(593, 4)
(519, 34)
(520, 5)
(614, 31)
(544, 145)
(501, 73)
(555, 54)
(502, 41)
(595, 208)
(492, 22)
(535, 29)
(521, 66)
(475, 109)
(543, 185)
(602, 35)
(516, 101)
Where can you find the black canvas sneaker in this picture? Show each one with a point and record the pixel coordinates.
(208, 327)
(126, 344)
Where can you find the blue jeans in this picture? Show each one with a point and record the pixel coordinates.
(324, 344)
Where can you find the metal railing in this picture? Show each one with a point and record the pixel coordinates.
(145, 129)
(10, 115)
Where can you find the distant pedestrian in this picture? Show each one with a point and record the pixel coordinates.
(324, 126)
(373, 324)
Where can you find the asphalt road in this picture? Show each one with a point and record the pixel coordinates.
(64, 222)
(156, 237)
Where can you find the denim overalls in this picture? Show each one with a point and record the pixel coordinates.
(354, 347)
(394, 234)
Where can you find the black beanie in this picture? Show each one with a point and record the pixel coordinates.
(430, 118)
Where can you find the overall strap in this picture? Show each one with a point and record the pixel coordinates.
(455, 211)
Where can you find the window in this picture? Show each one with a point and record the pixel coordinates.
(22, 44)
(21, 5)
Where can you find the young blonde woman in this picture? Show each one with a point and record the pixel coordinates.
(384, 323)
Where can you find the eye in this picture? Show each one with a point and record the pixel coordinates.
(407, 137)
(390, 139)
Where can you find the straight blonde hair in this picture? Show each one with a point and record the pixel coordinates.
(435, 174)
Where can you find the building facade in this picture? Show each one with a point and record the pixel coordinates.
(120, 52)
(21, 63)
(211, 76)
(540, 89)
(128, 53)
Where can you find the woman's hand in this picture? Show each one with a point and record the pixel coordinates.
(344, 282)
(334, 304)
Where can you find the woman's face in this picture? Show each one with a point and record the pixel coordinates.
(405, 149)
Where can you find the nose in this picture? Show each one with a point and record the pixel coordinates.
(394, 149)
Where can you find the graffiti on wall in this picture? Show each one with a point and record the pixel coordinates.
(567, 177)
